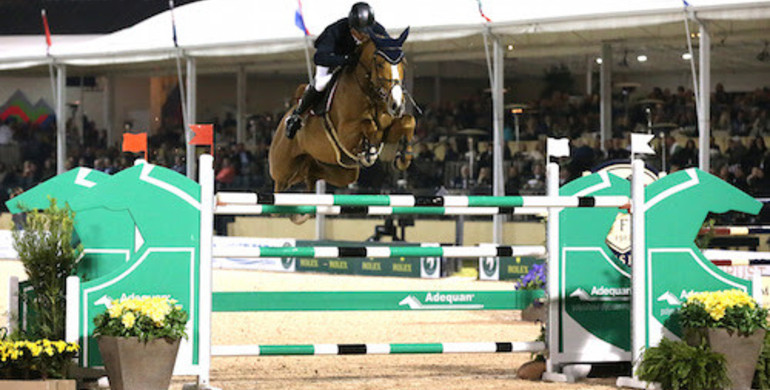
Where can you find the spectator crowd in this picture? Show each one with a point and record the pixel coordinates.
(452, 152)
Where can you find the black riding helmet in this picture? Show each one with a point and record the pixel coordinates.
(361, 16)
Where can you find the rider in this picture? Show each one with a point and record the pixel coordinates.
(335, 47)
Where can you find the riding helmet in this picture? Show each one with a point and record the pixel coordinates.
(361, 16)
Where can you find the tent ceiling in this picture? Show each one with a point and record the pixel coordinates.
(539, 39)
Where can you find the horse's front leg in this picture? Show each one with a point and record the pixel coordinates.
(402, 133)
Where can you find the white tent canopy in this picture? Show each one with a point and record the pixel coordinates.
(219, 31)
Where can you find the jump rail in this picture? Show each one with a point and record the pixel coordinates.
(322, 252)
(286, 199)
(376, 349)
(257, 209)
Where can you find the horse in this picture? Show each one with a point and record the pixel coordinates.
(366, 112)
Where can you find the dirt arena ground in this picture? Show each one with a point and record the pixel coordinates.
(424, 372)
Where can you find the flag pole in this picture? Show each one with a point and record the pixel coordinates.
(299, 20)
(48, 53)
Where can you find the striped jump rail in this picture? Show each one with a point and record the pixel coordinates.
(380, 251)
(291, 199)
(737, 262)
(376, 349)
(258, 209)
(735, 230)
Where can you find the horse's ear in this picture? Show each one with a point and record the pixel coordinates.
(402, 38)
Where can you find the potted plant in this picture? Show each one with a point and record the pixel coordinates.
(730, 322)
(138, 338)
(534, 280)
(35, 357)
(43, 241)
(676, 365)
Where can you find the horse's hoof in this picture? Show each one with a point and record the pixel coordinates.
(402, 164)
(299, 219)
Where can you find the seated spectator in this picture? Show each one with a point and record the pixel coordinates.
(226, 173)
(758, 184)
(687, 156)
(6, 134)
(513, 182)
(464, 180)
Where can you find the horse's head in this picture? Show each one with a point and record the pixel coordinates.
(383, 60)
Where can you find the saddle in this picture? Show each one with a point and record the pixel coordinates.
(324, 104)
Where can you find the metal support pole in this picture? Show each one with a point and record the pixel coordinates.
(108, 99)
(589, 75)
(498, 108)
(61, 118)
(639, 327)
(320, 219)
(240, 131)
(553, 270)
(704, 112)
(191, 94)
(605, 80)
(206, 181)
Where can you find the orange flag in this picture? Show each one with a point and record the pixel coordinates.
(202, 134)
(135, 143)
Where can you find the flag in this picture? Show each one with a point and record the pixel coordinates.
(135, 143)
(47, 30)
(557, 147)
(481, 12)
(640, 143)
(173, 22)
(202, 135)
(299, 18)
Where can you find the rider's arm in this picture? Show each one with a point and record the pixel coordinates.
(325, 45)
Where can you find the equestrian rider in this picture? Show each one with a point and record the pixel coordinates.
(335, 48)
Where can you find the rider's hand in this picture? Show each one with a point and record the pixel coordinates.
(350, 60)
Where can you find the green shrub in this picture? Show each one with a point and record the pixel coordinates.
(678, 366)
(45, 249)
(762, 374)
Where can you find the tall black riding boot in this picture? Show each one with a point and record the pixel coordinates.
(294, 121)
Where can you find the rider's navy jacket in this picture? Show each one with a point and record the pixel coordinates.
(335, 42)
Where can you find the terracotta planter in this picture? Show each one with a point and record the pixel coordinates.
(741, 354)
(535, 313)
(51, 384)
(134, 365)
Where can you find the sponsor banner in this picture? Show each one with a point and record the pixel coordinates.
(426, 267)
(506, 268)
(6, 245)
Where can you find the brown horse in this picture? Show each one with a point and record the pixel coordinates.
(367, 111)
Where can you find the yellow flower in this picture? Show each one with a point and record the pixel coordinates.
(128, 320)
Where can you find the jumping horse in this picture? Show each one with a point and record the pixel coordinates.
(366, 112)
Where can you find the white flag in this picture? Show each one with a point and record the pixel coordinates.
(557, 147)
(640, 143)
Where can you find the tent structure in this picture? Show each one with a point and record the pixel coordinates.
(241, 35)
(244, 35)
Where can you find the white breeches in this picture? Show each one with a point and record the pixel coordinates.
(322, 77)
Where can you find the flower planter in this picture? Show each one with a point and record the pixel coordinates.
(134, 365)
(741, 354)
(534, 313)
(51, 384)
